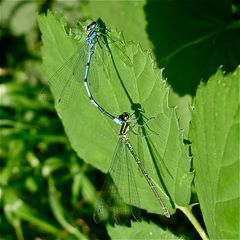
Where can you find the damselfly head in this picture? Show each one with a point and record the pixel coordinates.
(91, 26)
(124, 116)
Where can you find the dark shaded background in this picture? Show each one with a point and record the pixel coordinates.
(192, 39)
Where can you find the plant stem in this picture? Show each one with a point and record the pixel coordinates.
(188, 212)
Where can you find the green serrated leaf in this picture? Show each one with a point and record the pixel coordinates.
(127, 81)
(140, 230)
(215, 146)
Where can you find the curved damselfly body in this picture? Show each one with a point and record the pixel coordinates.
(92, 39)
(121, 180)
(66, 82)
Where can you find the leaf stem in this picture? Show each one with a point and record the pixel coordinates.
(188, 212)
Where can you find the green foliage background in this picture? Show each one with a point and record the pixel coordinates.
(48, 190)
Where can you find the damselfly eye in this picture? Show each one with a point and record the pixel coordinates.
(91, 26)
(124, 116)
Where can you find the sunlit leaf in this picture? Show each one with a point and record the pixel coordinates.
(215, 146)
(123, 86)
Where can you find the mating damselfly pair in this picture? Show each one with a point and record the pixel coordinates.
(97, 34)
